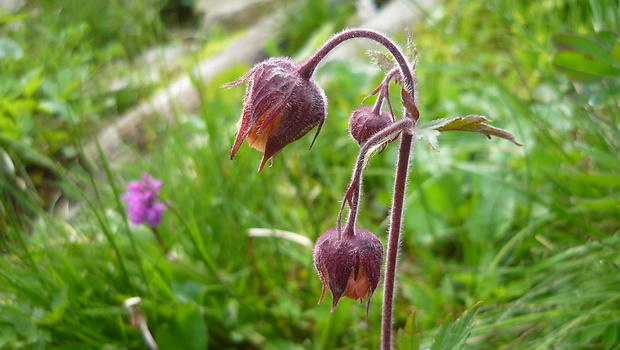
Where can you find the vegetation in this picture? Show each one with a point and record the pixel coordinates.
(532, 232)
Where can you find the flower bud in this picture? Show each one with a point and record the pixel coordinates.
(279, 107)
(349, 265)
(366, 121)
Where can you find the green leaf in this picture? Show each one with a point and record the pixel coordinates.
(409, 337)
(452, 335)
(382, 60)
(429, 135)
(606, 203)
(607, 39)
(579, 44)
(615, 52)
(581, 66)
(60, 302)
(31, 82)
(186, 330)
(470, 123)
(598, 179)
(7, 337)
(577, 75)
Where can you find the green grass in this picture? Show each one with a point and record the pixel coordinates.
(533, 232)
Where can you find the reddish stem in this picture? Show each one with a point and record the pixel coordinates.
(355, 187)
(309, 66)
(412, 113)
(384, 93)
(396, 219)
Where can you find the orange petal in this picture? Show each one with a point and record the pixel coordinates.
(359, 287)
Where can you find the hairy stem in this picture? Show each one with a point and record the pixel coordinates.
(354, 190)
(411, 113)
(396, 219)
(384, 93)
(309, 66)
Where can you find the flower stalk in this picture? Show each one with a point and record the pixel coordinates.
(354, 191)
(283, 102)
(396, 223)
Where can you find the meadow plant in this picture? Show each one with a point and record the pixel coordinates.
(143, 201)
(283, 102)
(144, 204)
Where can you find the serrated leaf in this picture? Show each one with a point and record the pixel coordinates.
(412, 51)
(428, 135)
(382, 60)
(452, 335)
(409, 337)
(470, 123)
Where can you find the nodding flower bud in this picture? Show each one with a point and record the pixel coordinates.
(280, 106)
(349, 265)
(367, 121)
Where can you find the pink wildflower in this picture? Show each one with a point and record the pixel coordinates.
(143, 200)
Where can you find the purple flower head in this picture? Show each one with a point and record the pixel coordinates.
(349, 266)
(366, 121)
(280, 107)
(143, 200)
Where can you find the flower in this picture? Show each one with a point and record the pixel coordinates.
(280, 106)
(142, 198)
(366, 121)
(349, 265)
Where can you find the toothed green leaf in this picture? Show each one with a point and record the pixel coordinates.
(452, 335)
(470, 123)
(409, 337)
(382, 60)
(428, 135)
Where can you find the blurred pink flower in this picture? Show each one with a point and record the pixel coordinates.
(143, 200)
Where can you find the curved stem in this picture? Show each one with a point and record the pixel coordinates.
(411, 114)
(396, 218)
(355, 187)
(309, 66)
(384, 93)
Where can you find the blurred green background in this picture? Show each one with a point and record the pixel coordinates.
(531, 231)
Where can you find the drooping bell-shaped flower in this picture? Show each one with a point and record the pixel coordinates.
(280, 106)
(349, 265)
